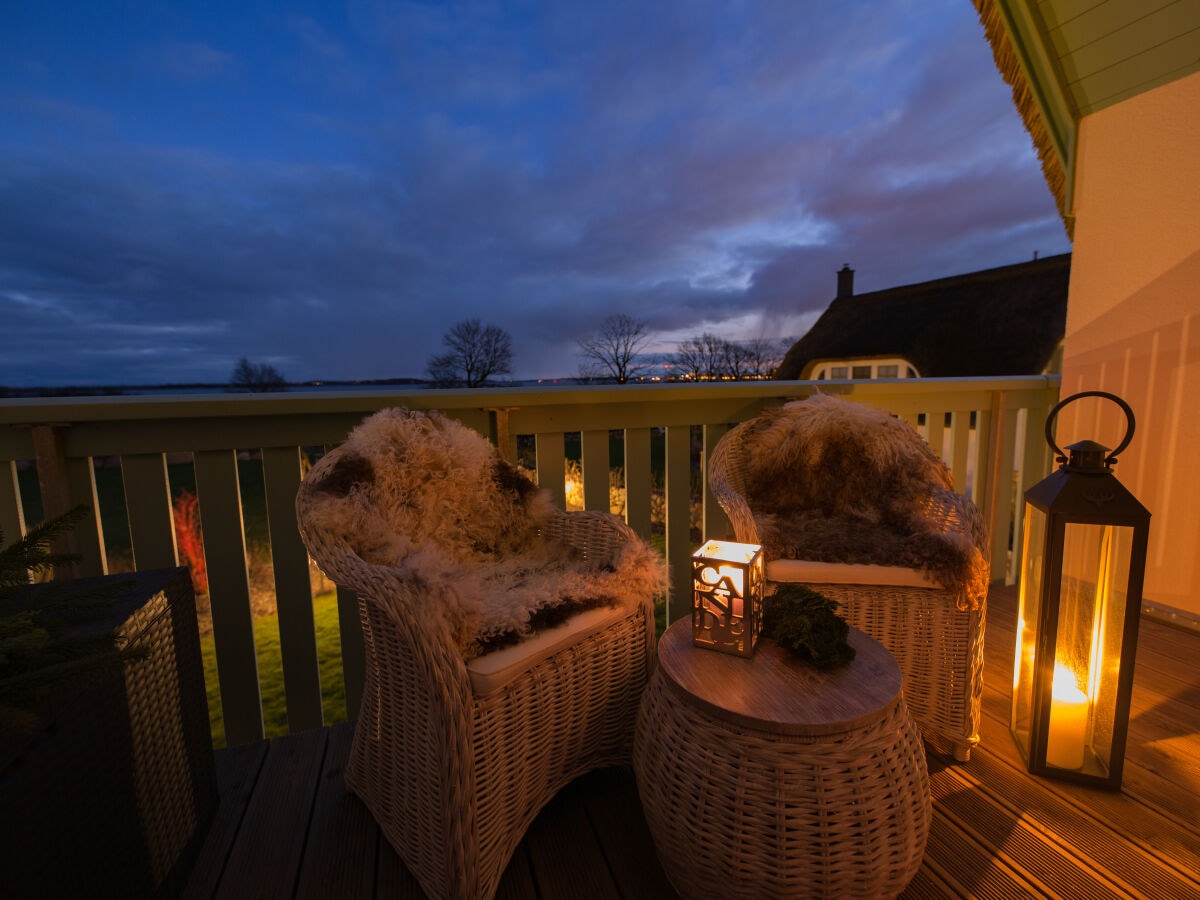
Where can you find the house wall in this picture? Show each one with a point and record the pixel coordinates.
(1133, 316)
(824, 369)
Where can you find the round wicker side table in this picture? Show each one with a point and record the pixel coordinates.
(766, 777)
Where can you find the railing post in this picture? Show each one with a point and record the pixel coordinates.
(52, 482)
(500, 433)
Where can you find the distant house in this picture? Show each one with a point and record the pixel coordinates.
(1004, 321)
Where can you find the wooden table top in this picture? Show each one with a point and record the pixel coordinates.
(776, 692)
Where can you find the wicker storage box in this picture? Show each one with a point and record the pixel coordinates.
(112, 796)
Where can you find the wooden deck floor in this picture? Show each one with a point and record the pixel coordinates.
(287, 828)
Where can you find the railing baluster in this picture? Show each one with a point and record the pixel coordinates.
(639, 482)
(679, 540)
(12, 511)
(716, 523)
(960, 449)
(293, 590)
(594, 445)
(148, 506)
(229, 589)
(551, 457)
(89, 534)
(935, 431)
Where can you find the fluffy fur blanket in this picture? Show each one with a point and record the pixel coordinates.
(433, 500)
(837, 481)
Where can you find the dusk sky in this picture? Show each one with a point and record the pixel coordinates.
(328, 187)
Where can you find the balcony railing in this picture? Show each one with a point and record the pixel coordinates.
(52, 449)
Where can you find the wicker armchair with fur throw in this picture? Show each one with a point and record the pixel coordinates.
(508, 642)
(853, 502)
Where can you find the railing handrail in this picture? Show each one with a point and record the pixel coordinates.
(18, 411)
(976, 423)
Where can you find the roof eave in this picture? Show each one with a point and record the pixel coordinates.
(1020, 53)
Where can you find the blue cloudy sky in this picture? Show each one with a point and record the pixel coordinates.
(328, 187)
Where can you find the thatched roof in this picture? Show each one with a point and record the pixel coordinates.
(1009, 64)
(1004, 321)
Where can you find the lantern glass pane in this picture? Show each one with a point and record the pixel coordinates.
(1032, 572)
(1095, 582)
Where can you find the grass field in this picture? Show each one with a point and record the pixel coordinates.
(270, 671)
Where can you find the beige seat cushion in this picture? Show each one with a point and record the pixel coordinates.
(810, 572)
(493, 671)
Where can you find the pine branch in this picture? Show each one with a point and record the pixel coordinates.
(31, 556)
(37, 652)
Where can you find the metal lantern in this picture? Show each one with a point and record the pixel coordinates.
(1083, 561)
(727, 584)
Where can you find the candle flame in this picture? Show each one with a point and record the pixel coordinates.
(1066, 685)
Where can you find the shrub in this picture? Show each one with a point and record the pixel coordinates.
(190, 538)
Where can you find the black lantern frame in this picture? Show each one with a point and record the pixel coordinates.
(1083, 562)
(727, 596)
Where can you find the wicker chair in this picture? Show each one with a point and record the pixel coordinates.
(455, 758)
(938, 644)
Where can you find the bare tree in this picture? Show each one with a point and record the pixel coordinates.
(761, 357)
(737, 360)
(613, 351)
(475, 353)
(700, 358)
(256, 377)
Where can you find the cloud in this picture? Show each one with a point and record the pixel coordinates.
(384, 176)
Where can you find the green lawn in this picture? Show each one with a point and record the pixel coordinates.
(270, 671)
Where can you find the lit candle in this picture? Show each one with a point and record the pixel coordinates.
(1068, 721)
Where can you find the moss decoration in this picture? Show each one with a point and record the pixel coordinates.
(807, 624)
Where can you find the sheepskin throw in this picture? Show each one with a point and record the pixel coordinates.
(432, 499)
(838, 481)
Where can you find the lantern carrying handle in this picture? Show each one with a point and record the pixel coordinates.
(1111, 459)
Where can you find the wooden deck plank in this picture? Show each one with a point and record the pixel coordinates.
(340, 854)
(1166, 782)
(612, 803)
(969, 868)
(1132, 815)
(517, 881)
(267, 857)
(1112, 846)
(564, 853)
(237, 771)
(392, 878)
(1162, 758)
(1045, 837)
(996, 830)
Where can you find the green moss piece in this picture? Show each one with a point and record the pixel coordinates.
(807, 624)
